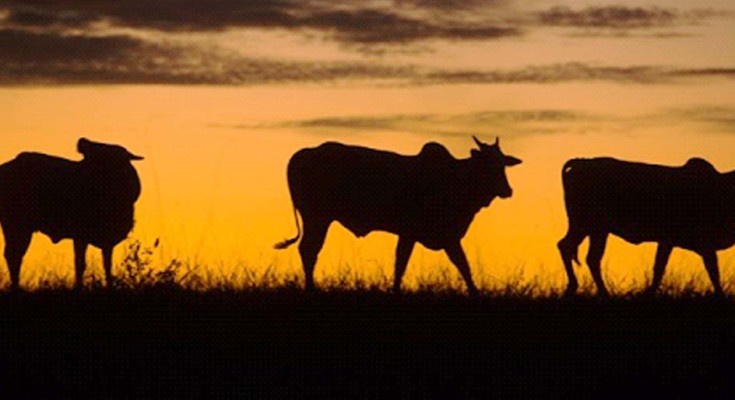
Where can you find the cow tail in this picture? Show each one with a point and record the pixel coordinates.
(566, 169)
(289, 242)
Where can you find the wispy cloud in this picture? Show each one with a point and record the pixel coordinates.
(716, 118)
(617, 20)
(505, 122)
(721, 117)
(575, 71)
(616, 17)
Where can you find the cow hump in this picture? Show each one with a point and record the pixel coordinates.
(435, 152)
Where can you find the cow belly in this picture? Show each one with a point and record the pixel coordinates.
(102, 230)
(360, 225)
(684, 234)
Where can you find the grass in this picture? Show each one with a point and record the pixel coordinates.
(180, 332)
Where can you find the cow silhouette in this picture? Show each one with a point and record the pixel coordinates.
(90, 201)
(430, 198)
(689, 207)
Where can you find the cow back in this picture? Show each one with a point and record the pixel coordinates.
(68, 199)
(640, 202)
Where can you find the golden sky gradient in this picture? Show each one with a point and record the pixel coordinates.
(218, 96)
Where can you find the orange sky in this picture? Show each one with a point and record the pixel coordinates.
(218, 98)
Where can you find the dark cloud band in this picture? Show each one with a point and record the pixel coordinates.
(55, 58)
(71, 42)
(345, 24)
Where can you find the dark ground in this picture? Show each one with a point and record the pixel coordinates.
(283, 343)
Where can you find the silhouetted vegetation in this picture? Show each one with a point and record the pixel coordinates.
(169, 332)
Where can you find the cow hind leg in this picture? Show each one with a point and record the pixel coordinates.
(80, 253)
(568, 246)
(713, 270)
(16, 245)
(598, 241)
(403, 253)
(659, 267)
(457, 256)
(311, 243)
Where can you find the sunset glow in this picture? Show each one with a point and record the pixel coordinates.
(218, 95)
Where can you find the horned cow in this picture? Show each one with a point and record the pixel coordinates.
(689, 207)
(430, 198)
(90, 201)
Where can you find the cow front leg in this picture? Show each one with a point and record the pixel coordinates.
(457, 256)
(107, 264)
(403, 253)
(659, 266)
(16, 245)
(80, 252)
(710, 263)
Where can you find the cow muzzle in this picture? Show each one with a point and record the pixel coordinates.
(506, 193)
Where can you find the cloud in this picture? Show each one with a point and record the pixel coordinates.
(722, 117)
(487, 117)
(569, 72)
(375, 26)
(57, 58)
(616, 17)
(43, 19)
(61, 58)
(622, 18)
(452, 5)
(505, 122)
(707, 119)
(23, 47)
(346, 24)
(165, 15)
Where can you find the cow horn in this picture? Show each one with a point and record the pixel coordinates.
(497, 140)
(479, 143)
(83, 145)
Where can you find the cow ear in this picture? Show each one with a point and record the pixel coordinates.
(475, 153)
(511, 161)
(133, 157)
(83, 146)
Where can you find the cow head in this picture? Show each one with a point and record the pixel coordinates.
(104, 152)
(493, 163)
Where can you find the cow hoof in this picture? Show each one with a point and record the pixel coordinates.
(649, 293)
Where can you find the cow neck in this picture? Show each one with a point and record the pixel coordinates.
(730, 180)
(120, 178)
(474, 185)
